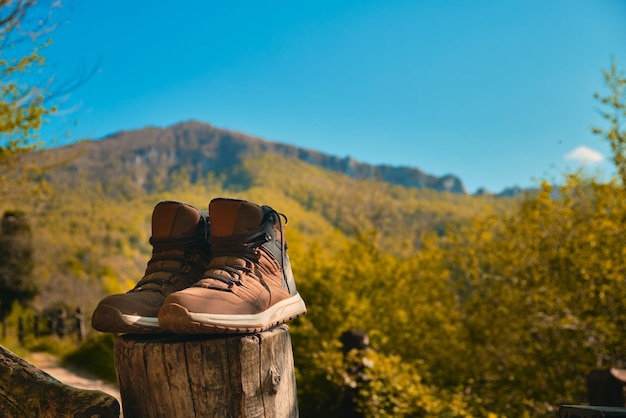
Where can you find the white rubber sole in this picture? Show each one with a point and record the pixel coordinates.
(177, 319)
(141, 321)
(285, 309)
(107, 318)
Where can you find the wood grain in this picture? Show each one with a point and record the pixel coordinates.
(221, 376)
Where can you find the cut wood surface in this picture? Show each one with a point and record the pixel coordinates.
(207, 376)
(27, 391)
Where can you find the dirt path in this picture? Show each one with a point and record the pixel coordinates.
(77, 378)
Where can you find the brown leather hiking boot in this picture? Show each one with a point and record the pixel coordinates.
(248, 286)
(180, 255)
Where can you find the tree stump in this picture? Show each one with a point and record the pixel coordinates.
(27, 391)
(221, 376)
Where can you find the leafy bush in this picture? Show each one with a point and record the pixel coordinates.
(368, 384)
(95, 356)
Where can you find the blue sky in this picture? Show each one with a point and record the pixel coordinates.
(499, 93)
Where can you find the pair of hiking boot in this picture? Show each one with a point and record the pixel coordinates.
(225, 271)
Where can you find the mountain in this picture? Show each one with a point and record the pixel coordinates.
(150, 155)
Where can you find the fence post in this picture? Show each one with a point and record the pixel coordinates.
(36, 325)
(207, 376)
(20, 330)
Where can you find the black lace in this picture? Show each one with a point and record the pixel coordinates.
(243, 246)
(162, 248)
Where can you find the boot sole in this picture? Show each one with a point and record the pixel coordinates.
(107, 318)
(177, 319)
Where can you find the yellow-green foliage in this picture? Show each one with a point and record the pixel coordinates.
(512, 309)
(542, 294)
(29, 343)
(378, 385)
(95, 355)
(24, 105)
(402, 215)
(614, 112)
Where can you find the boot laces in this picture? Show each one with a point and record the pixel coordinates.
(243, 246)
(173, 256)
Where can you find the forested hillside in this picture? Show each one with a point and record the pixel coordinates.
(97, 229)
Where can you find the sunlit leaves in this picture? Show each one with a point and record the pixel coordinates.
(24, 102)
(542, 292)
(614, 112)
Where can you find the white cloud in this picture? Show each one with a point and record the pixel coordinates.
(585, 156)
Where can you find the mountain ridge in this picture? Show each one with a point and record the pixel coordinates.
(200, 147)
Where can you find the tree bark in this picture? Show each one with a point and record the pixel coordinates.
(207, 376)
(27, 391)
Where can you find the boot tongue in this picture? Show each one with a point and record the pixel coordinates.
(174, 219)
(233, 217)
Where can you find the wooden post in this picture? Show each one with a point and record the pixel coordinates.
(605, 387)
(26, 391)
(221, 376)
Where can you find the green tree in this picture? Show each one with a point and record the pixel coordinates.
(16, 262)
(542, 292)
(369, 384)
(24, 100)
(542, 287)
(615, 114)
